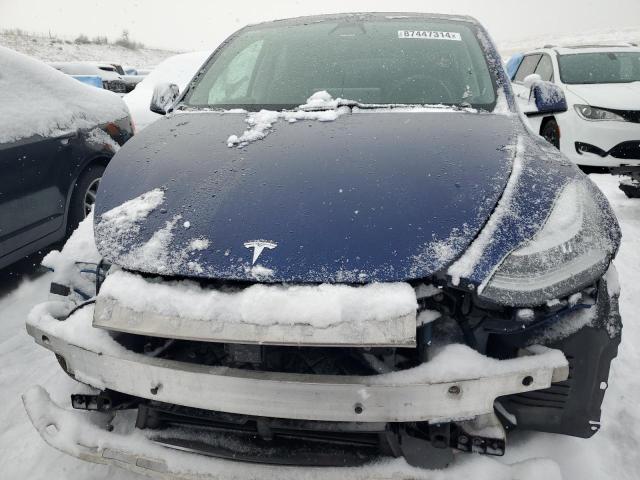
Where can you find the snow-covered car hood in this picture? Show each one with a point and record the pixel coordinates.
(619, 96)
(372, 196)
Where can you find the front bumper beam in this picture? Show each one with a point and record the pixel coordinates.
(84, 436)
(404, 398)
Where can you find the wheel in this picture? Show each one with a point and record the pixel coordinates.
(551, 133)
(84, 195)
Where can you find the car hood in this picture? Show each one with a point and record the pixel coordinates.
(618, 96)
(372, 196)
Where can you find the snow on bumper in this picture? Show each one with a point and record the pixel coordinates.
(84, 436)
(380, 314)
(457, 383)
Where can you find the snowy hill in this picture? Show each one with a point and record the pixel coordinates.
(54, 49)
(622, 35)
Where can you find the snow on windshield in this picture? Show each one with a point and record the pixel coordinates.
(36, 99)
(323, 108)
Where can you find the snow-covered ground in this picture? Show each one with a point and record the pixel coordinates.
(62, 50)
(614, 453)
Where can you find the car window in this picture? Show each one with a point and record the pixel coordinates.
(233, 81)
(545, 68)
(527, 67)
(600, 67)
(512, 65)
(374, 62)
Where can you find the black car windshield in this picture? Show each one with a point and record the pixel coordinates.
(412, 62)
(601, 67)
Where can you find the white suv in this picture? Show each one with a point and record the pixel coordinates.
(601, 126)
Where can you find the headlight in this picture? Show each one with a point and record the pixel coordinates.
(571, 251)
(597, 114)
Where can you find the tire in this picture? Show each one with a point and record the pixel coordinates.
(84, 195)
(551, 133)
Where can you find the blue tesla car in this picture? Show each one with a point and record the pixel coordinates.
(342, 242)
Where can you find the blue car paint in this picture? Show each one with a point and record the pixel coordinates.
(513, 63)
(93, 80)
(545, 171)
(231, 196)
(370, 196)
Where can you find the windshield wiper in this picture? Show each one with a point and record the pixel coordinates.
(340, 102)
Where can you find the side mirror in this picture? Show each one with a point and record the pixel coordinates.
(549, 97)
(530, 80)
(164, 96)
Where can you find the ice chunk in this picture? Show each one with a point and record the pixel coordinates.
(323, 108)
(320, 100)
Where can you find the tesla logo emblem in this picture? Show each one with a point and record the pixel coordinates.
(258, 246)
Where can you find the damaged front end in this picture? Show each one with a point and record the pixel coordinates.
(517, 333)
(468, 371)
(322, 298)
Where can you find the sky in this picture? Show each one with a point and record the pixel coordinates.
(200, 24)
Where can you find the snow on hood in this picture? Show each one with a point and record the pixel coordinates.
(323, 108)
(37, 99)
(370, 197)
(618, 96)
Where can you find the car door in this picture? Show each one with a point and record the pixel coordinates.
(32, 191)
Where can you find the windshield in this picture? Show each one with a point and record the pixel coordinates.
(602, 67)
(370, 62)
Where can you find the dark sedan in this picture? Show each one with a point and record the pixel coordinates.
(56, 138)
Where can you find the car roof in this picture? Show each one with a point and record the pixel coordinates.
(586, 48)
(365, 16)
(76, 68)
(573, 49)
